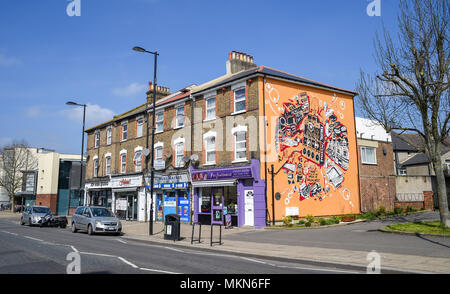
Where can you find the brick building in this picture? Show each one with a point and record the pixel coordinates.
(215, 144)
(376, 166)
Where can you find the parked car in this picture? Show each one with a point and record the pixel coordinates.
(32, 215)
(94, 219)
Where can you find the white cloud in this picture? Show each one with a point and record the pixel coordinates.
(132, 89)
(33, 111)
(8, 61)
(95, 114)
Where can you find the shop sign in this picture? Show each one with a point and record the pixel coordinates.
(170, 203)
(222, 174)
(98, 184)
(123, 182)
(171, 186)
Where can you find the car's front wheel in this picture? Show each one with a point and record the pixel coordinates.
(90, 230)
(74, 229)
(21, 221)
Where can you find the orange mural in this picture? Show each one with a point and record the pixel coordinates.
(311, 142)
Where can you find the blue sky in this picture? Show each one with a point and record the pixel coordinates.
(47, 57)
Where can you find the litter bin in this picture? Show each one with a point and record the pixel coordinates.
(172, 227)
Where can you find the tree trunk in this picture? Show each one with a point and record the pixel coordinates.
(442, 193)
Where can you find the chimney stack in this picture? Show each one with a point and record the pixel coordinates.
(238, 61)
(161, 92)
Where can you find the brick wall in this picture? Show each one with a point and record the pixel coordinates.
(49, 200)
(377, 181)
(426, 204)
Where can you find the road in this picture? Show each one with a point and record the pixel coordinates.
(34, 250)
(362, 236)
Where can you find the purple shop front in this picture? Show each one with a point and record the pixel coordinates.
(235, 193)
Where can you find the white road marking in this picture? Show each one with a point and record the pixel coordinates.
(158, 271)
(35, 239)
(14, 234)
(127, 262)
(173, 249)
(98, 254)
(122, 241)
(73, 248)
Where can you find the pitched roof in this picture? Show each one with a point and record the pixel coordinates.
(400, 144)
(264, 70)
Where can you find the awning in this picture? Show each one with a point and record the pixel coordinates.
(214, 183)
(125, 190)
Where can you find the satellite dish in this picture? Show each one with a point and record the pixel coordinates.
(194, 157)
(146, 152)
(186, 159)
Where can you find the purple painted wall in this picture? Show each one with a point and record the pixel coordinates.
(259, 198)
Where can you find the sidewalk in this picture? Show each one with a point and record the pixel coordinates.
(139, 231)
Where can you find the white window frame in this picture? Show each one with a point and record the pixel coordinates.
(179, 163)
(364, 159)
(235, 88)
(125, 123)
(206, 139)
(177, 116)
(97, 139)
(159, 122)
(123, 153)
(208, 97)
(139, 126)
(109, 135)
(107, 164)
(95, 159)
(138, 159)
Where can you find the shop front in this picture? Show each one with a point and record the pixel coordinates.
(98, 192)
(232, 194)
(128, 197)
(172, 196)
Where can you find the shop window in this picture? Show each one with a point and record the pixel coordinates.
(231, 196)
(204, 201)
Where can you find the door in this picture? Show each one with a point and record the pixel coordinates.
(217, 206)
(159, 206)
(132, 207)
(249, 208)
(84, 219)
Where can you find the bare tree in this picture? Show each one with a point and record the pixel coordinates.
(410, 93)
(15, 159)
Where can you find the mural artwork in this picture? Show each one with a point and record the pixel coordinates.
(312, 147)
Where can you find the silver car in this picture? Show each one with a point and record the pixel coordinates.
(95, 219)
(33, 214)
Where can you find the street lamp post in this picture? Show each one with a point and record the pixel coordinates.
(152, 176)
(82, 148)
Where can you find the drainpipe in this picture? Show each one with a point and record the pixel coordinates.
(265, 143)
